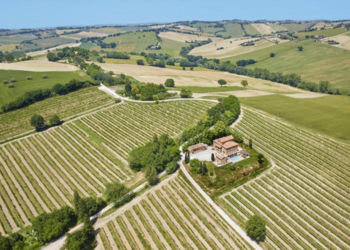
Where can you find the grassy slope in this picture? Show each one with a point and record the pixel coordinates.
(171, 47)
(232, 29)
(277, 27)
(22, 85)
(249, 29)
(297, 27)
(317, 62)
(263, 54)
(49, 42)
(326, 33)
(327, 115)
(205, 27)
(87, 45)
(133, 42)
(16, 38)
(195, 89)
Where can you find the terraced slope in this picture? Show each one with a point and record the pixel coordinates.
(173, 217)
(40, 172)
(305, 199)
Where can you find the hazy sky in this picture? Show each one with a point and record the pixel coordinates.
(49, 13)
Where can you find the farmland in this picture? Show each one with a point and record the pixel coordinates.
(232, 29)
(153, 223)
(40, 172)
(23, 85)
(322, 115)
(343, 40)
(171, 47)
(15, 39)
(249, 29)
(317, 62)
(304, 199)
(325, 33)
(262, 28)
(276, 27)
(17, 122)
(181, 37)
(297, 27)
(38, 65)
(133, 42)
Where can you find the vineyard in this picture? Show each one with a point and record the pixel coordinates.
(40, 172)
(174, 216)
(305, 199)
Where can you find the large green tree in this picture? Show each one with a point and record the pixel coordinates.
(169, 83)
(115, 191)
(84, 239)
(256, 228)
(9, 58)
(37, 121)
(222, 82)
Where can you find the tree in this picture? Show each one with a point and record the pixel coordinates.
(212, 157)
(256, 228)
(115, 191)
(300, 48)
(324, 86)
(272, 54)
(52, 57)
(140, 62)
(220, 128)
(37, 121)
(222, 82)
(151, 176)
(185, 93)
(54, 120)
(5, 243)
(250, 143)
(59, 89)
(170, 83)
(9, 58)
(204, 169)
(84, 239)
(171, 167)
(244, 83)
(261, 158)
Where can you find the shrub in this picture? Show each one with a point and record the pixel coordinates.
(117, 100)
(211, 173)
(171, 167)
(170, 83)
(29, 78)
(54, 120)
(13, 80)
(140, 62)
(185, 93)
(5, 82)
(11, 86)
(45, 76)
(194, 163)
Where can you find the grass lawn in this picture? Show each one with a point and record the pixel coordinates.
(23, 85)
(326, 33)
(196, 89)
(297, 27)
(249, 29)
(232, 29)
(329, 115)
(317, 62)
(133, 42)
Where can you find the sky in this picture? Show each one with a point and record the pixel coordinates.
(48, 13)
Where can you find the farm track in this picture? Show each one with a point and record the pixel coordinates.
(151, 223)
(40, 172)
(305, 201)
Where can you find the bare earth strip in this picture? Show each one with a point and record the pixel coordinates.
(38, 66)
(182, 37)
(343, 40)
(43, 52)
(263, 28)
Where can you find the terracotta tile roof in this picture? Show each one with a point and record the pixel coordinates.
(221, 156)
(224, 139)
(230, 144)
(197, 146)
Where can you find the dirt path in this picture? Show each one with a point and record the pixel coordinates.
(59, 192)
(33, 174)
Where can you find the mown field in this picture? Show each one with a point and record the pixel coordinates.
(17, 122)
(170, 47)
(324, 115)
(297, 27)
(40, 172)
(304, 199)
(276, 27)
(173, 216)
(249, 29)
(23, 85)
(46, 43)
(15, 39)
(232, 29)
(317, 62)
(133, 42)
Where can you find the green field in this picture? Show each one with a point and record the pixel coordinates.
(23, 85)
(108, 30)
(15, 39)
(171, 47)
(277, 27)
(133, 60)
(205, 28)
(249, 29)
(88, 45)
(297, 27)
(326, 33)
(264, 54)
(326, 115)
(232, 29)
(317, 62)
(133, 42)
(46, 43)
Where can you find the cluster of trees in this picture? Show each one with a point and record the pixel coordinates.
(198, 167)
(38, 95)
(245, 62)
(220, 116)
(117, 55)
(74, 52)
(109, 78)
(256, 228)
(185, 50)
(157, 155)
(249, 43)
(38, 122)
(292, 79)
(185, 93)
(146, 92)
(6, 57)
(107, 45)
(170, 83)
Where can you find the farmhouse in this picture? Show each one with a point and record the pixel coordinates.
(197, 148)
(221, 159)
(219, 143)
(230, 148)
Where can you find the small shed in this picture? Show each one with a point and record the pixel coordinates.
(197, 148)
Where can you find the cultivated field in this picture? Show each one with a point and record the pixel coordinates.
(194, 78)
(182, 37)
(305, 198)
(262, 28)
(43, 52)
(182, 27)
(47, 43)
(322, 115)
(325, 33)
(107, 30)
(231, 47)
(15, 39)
(316, 63)
(85, 34)
(276, 27)
(171, 216)
(232, 29)
(40, 172)
(23, 85)
(39, 65)
(297, 27)
(17, 122)
(343, 40)
(171, 47)
(249, 29)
